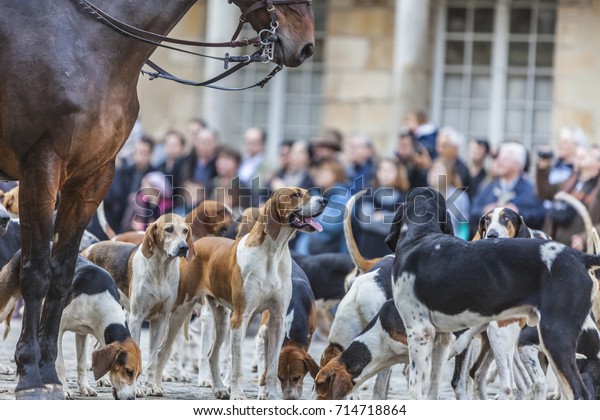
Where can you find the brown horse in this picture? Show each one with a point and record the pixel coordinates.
(68, 101)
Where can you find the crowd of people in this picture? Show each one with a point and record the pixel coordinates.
(185, 167)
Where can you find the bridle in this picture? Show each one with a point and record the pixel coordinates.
(265, 41)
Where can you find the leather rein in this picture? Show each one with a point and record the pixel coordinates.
(265, 41)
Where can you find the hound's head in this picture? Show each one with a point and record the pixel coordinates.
(333, 382)
(170, 236)
(294, 363)
(290, 207)
(502, 222)
(123, 363)
(424, 211)
(11, 201)
(4, 215)
(209, 218)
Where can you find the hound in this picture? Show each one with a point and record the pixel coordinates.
(382, 344)
(92, 308)
(358, 307)
(294, 359)
(247, 276)
(443, 284)
(147, 276)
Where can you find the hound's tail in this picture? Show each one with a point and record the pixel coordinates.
(593, 244)
(7, 324)
(104, 223)
(362, 265)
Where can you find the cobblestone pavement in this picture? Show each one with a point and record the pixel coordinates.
(190, 390)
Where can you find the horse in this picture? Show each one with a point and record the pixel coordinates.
(68, 101)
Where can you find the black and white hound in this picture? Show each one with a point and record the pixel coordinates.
(442, 284)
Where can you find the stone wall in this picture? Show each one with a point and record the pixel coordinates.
(164, 104)
(577, 68)
(358, 67)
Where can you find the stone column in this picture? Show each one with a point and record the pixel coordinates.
(221, 21)
(411, 75)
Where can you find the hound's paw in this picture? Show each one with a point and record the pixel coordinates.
(6, 370)
(204, 382)
(103, 382)
(264, 395)
(221, 393)
(178, 376)
(69, 395)
(87, 391)
(238, 396)
(154, 390)
(139, 392)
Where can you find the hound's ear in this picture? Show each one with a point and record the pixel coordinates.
(191, 254)
(341, 385)
(447, 227)
(392, 239)
(149, 241)
(103, 359)
(271, 219)
(481, 228)
(523, 230)
(311, 365)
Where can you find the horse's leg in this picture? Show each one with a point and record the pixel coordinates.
(78, 202)
(38, 188)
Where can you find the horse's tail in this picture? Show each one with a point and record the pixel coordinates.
(592, 242)
(104, 223)
(362, 265)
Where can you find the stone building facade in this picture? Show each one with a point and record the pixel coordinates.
(505, 69)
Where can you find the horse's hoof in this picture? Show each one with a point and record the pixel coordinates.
(32, 394)
(55, 392)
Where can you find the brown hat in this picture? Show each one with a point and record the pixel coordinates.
(330, 138)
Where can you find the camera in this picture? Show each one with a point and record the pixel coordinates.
(545, 154)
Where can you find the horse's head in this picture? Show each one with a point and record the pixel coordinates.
(296, 30)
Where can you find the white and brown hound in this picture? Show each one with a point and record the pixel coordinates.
(247, 276)
(147, 276)
(443, 284)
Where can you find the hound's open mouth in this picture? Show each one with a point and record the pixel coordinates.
(305, 223)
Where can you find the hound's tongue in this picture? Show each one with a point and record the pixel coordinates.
(312, 222)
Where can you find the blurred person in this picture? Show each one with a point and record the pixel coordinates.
(192, 194)
(125, 155)
(174, 148)
(330, 178)
(479, 149)
(327, 145)
(151, 201)
(194, 126)
(376, 211)
(443, 177)
(229, 189)
(127, 180)
(199, 164)
(561, 169)
(424, 131)
(563, 223)
(360, 161)
(415, 157)
(510, 188)
(297, 173)
(254, 162)
(447, 145)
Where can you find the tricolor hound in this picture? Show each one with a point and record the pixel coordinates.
(92, 308)
(443, 284)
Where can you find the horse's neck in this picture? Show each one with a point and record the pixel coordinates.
(157, 16)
